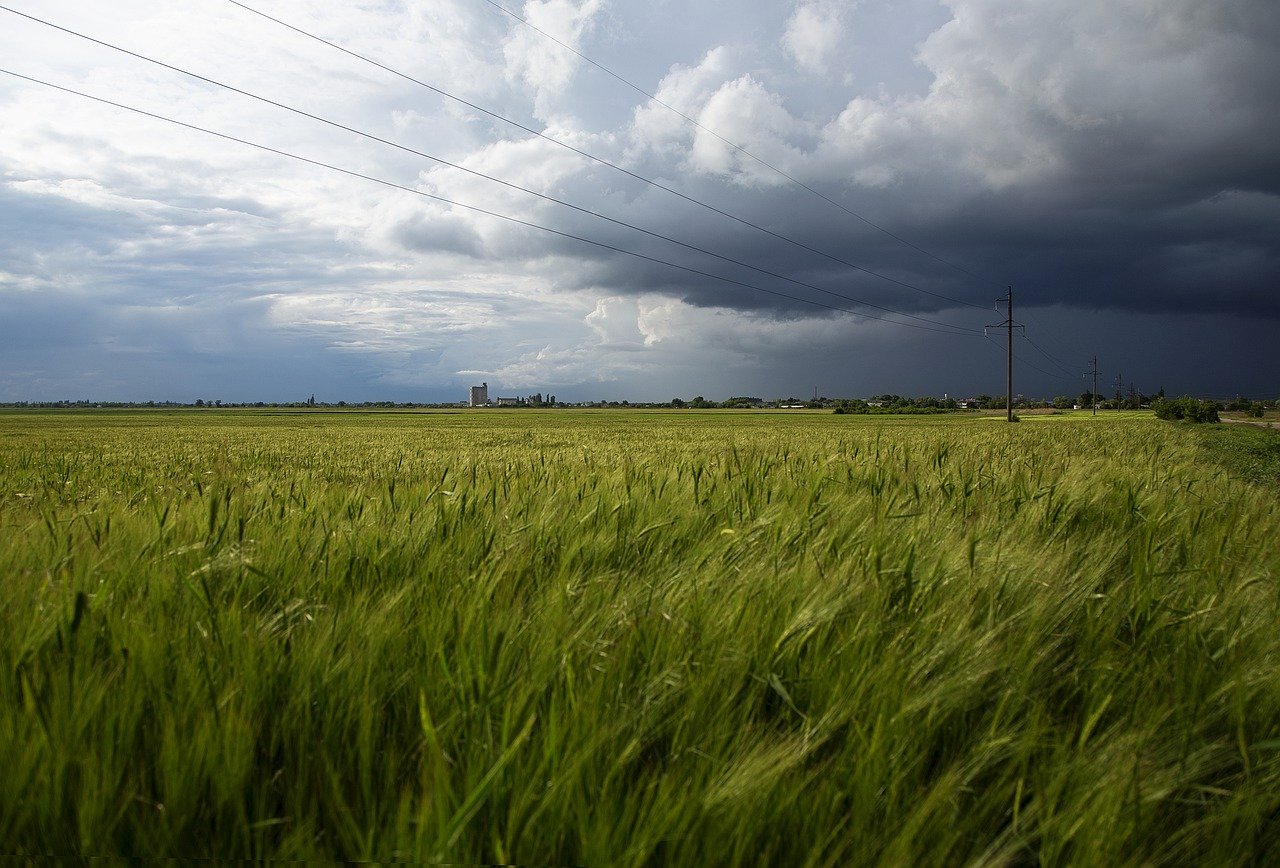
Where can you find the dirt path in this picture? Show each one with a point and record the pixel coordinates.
(1262, 424)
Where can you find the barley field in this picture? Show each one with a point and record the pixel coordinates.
(630, 638)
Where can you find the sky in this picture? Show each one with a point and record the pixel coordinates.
(825, 195)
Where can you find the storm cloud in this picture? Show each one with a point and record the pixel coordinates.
(1115, 162)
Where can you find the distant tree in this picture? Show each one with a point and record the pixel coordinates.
(677, 403)
(851, 405)
(1062, 402)
(1187, 408)
(199, 402)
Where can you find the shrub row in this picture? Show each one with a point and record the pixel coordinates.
(1188, 408)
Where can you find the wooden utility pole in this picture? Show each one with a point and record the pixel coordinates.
(1008, 326)
(1008, 383)
(1093, 396)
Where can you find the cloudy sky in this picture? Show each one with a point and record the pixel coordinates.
(852, 185)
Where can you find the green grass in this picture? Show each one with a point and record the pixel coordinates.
(1248, 451)
(635, 638)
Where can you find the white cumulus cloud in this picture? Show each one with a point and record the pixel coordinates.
(814, 33)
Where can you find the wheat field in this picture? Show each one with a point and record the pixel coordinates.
(637, 638)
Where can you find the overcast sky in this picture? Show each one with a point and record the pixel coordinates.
(1116, 161)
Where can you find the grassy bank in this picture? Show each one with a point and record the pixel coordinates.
(641, 638)
(1245, 450)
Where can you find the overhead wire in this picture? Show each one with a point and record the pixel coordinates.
(1048, 355)
(1003, 348)
(1023, 332)
(477, 173)
(474, 208)
(602, 161)
(740, 149)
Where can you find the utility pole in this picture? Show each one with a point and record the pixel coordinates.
(1008, 325)
(1093, 396)
(1008, 382)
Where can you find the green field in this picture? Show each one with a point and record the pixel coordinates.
(626, 638)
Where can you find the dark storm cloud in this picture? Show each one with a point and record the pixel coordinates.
(1144, 175)
(1114, 160)
(1196, 255)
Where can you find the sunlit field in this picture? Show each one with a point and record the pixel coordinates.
(630, 638)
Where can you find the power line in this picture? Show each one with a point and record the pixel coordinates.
(1056, 377)
(1009, 324)
(602, 161)
(455, 203)
(1047, 355)
(1050, 356)
(479, 174)
(733, 145)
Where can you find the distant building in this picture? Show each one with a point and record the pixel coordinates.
(508, 402)
(479, 395)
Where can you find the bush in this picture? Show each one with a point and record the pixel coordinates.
(1186, 408)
